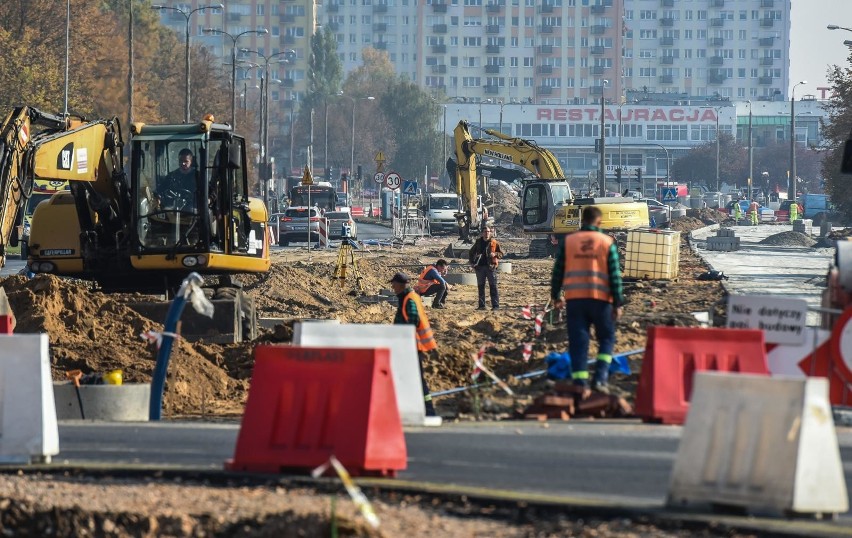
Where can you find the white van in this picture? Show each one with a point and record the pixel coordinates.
(441, 209)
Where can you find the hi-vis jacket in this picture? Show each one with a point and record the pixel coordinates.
(423, 283)
(425, 338)
(586, 273)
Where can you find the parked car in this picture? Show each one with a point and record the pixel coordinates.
(782, 214)
(658, 211)
(292, 225)
(337, 220)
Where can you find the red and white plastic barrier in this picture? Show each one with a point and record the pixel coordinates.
(323, 233)
(357, 211)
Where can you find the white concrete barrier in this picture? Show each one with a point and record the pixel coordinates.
(297, 327)
(113, 403)
(405, 366)
(28, 430)
(761, 443)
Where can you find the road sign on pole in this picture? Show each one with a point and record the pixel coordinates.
(379, 177)
(393, 181)
(409, 188)
(670, 195)
(380, 161)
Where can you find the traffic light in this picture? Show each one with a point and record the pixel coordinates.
(639, 178)
(597, 145)
(618, 177)
(359, 176)
(329, 173)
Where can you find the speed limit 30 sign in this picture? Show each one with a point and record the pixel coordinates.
(379, 177)
(393, 181)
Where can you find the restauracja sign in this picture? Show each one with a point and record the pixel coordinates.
(668, 115)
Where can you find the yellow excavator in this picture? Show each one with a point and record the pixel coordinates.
(183, 207)
(548, 205)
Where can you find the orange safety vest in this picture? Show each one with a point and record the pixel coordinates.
(423, 284)
(425, 339)
(586, 271)
(753, 207)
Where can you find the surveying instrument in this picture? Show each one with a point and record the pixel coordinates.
(346, 260)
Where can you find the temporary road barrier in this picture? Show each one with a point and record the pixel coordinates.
(307, 404)
(28, 429)
(760, 443)
(405, 364)
(323, 233)
(673, 356)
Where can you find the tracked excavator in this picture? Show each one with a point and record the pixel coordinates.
(548, 205)
(146, 230)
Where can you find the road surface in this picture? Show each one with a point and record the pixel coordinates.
(13, 266)
(365, 231)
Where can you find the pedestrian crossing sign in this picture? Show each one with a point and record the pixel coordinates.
(409, 188)
(670, 195)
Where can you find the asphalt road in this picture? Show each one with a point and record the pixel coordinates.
(13, 266)
(365, 231)
(622, 462)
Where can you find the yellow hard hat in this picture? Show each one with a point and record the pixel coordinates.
(113, 378)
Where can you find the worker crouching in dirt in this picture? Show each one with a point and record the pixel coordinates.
(431, 283)
(410, 311)
(586, 279)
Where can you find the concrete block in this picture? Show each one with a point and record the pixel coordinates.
(465, 279)
(504, 267)
(28, 429)
(298, 326)
(113, 403)
(760, 443)
(405, 364)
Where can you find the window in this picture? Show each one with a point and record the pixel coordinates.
(259, 9)
(472, 41)
(472, 21)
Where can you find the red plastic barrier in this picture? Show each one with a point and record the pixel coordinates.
(674, 354)
(7, 324)
(306, 404)
(357, 211)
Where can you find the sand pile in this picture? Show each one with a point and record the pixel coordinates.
(789, 239)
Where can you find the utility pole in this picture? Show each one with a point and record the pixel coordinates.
(791, 183)
(750, 154)
(603, 139)
(130, 63)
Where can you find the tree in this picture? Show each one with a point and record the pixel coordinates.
(324, 67)
(837, 131)
(775, 160)
(413, 116)
(698, 166)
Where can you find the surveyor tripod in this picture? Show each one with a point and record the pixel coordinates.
(345, 260)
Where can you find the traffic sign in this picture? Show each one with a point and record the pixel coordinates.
(307, 178)
(380, 157)
(409, 188)
(670, 194)
(379, 177)
(393, 181)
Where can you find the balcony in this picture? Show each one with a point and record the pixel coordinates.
(288, 39)
(492, 29)
(666, 3)
(667, 60)
(439, 69)
(380, 8)
(766, 41)
(667, 22)
(595, 90)
(544, 69)
(381, 45)
(545, 49)
(492, 49)
(766, 22)
(597, 70)
(597, 49)
(766, 81)
(598, 10)
(717, 41)
(332, 8)
(666, 41)
(546, 8)
(492, 69)
(544, 90)
(440, 48)
(598, 29)
(766, 60)
(439, 29)
(666, 79)
(767, 3)
(493, 8)
(716, 78)
(439, 8)
(333, 26)
(288, 82)
(288, 18)
(717, 3)
(233, 17)
(717, 60)
(545, 29)
(717, 23)
(491, 90)
(380, 27)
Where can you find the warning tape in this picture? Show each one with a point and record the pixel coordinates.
(527, 351)
(352, 489)
(479, 356)
(500, 383)
(154, 337)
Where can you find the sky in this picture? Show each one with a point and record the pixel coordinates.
(813, 47)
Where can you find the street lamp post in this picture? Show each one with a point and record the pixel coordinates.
(289, 55)
(718, 148)
(791, 180)
(501, 116)
(187, 15)
(604, 84)
(354, 102)
(750, 154)
(234, 39)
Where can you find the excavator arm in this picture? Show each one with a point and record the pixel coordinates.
(540, 163)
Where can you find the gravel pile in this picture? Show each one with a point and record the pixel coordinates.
(789, 239)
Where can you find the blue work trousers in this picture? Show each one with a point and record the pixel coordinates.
(581, 315)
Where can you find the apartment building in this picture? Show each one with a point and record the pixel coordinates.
(574, 51)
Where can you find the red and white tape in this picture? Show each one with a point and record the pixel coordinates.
(527, 351)
(526, 312)
(154, 337)
(539, 320)
(479, 356)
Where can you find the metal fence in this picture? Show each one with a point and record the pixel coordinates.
(410, 227)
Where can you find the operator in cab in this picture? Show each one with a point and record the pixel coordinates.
(178, 188)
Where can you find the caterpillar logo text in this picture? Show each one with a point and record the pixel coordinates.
(497, 155)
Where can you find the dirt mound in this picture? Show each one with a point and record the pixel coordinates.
(96, 332)
(789, 239)
(707, 215)
(686, 224)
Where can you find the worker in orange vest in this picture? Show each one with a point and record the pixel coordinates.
(753, 212)
(431, 282)
(410, 311)
(586, 279)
